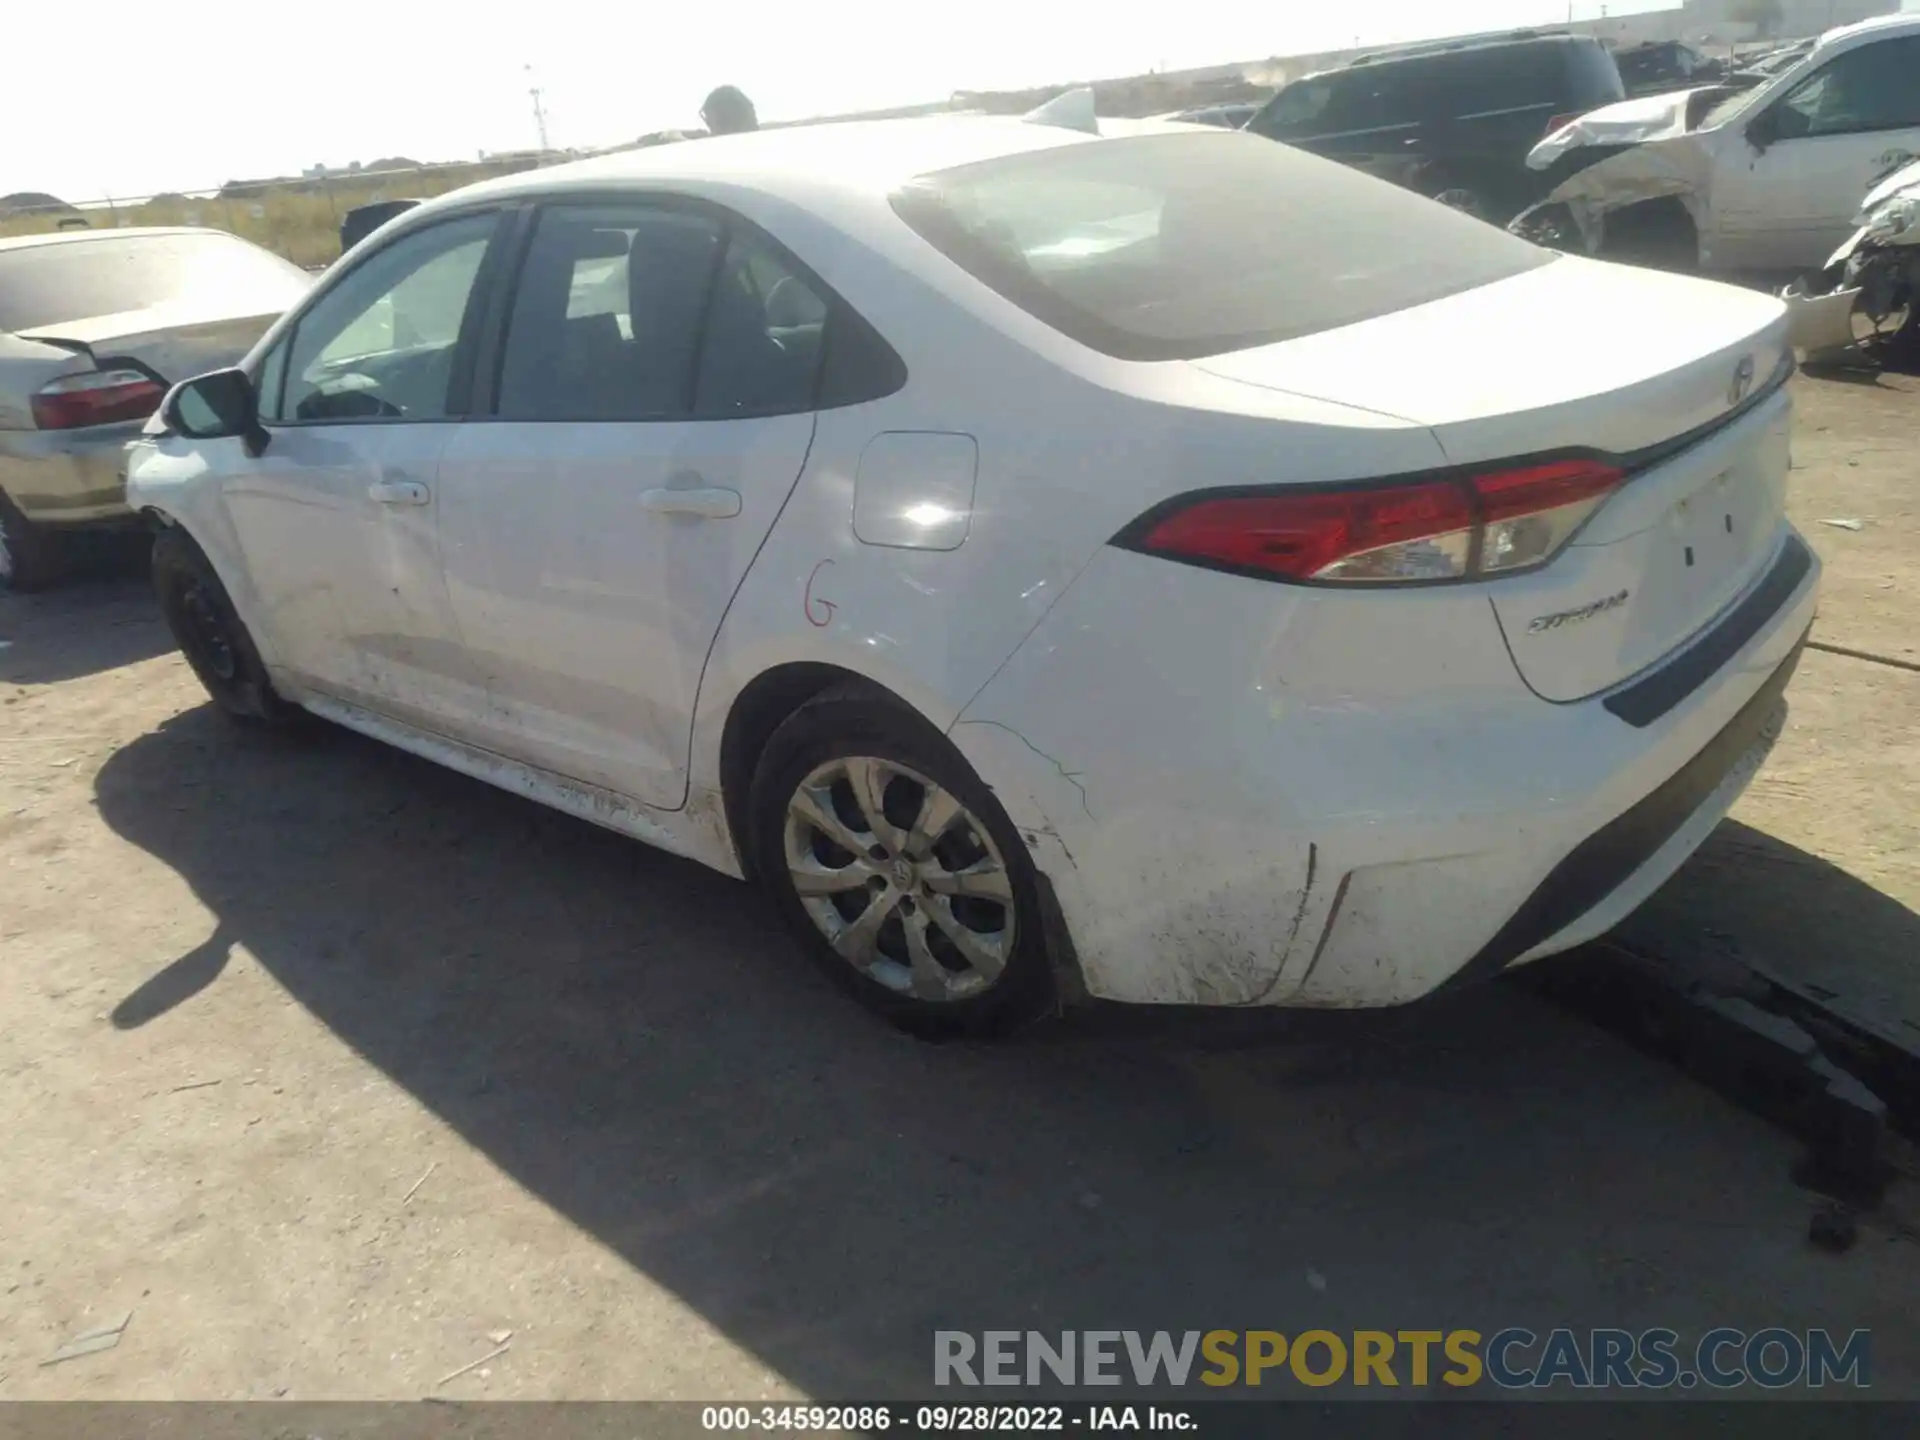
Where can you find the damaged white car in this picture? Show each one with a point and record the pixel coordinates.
(1759, 181)
(1864, 303)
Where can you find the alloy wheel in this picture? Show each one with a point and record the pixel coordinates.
(902, 880)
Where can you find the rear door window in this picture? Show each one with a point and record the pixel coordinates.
(606, 317)
(653, 311)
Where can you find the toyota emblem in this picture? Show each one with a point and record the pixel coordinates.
(1742, 381)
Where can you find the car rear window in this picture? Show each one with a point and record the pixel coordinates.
(1594, 76)
(42, 285)
(1171, 247)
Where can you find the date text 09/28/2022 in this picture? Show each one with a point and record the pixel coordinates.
(946, 1419)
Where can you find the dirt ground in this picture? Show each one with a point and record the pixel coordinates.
(333, 1068)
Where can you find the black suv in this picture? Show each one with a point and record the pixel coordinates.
(1453, 120)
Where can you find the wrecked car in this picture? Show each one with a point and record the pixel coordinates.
(1663, 65)
(1757, 181)
(1452, 120)
(1865, 301)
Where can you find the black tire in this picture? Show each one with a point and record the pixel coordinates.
(211, 635)
(32, 557)
(858, 723)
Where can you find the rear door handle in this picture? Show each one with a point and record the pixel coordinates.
(708, 502)
(399, 492)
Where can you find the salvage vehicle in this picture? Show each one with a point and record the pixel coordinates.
(1756, 182)
(1055, 557)
(1230, 116)
(1865, 302)
(94, 326)
(1453, 120)
(1658, 66)
(363, 220)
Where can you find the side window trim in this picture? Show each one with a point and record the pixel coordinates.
(459, 385)
(1858, 53)
(515, 243)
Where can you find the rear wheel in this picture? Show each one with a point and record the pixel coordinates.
(32, 556)
(210, 633)
(897, 869)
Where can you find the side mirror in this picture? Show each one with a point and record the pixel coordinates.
(1764, 129)
(214, 406)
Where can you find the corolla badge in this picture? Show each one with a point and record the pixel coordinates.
(1562, 618)
(1742, 384)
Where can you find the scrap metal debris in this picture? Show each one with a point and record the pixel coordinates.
(1838, 1080)
(91, 1342)
(472, 1365)
(418, 1183)
(1846, 524)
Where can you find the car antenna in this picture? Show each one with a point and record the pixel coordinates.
(1070, 110)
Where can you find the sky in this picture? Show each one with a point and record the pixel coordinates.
(128, 100)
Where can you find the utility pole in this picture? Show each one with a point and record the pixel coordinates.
(539, 111)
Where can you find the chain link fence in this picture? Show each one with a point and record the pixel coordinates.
(298, 218)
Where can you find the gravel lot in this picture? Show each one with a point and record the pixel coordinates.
(331, 1067)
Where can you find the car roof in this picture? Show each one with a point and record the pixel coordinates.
(1901, 24)
(71, 237)
(866, 158)
(1470, 45)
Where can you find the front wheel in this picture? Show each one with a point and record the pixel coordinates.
(897, 869)
(211, 635)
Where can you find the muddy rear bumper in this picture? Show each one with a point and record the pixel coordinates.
(68, 477)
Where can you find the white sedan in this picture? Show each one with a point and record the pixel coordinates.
(1157, 565)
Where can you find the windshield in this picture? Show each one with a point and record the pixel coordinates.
(1728, 109)
(43, 285)
(1171, 247)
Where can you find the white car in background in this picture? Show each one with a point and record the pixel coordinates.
(1749, 182)
(94, 327)
(1052, 563)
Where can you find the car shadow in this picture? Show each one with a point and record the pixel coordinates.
(1753, 898)
(634, 1040)
(86, 626)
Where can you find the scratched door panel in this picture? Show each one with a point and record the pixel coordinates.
(588, 610)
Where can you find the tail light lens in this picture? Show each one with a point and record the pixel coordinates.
(98, 397)
(1557, 121)
(1499, 522)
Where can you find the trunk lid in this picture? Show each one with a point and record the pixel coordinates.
(1672, 376)
(174, 341)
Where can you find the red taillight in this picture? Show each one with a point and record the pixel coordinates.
(1527, 515)
(1497, 522)
(1557, 121)
(1304, 536)
(98, 397)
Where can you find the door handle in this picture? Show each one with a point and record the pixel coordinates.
(399, 492)
(708, 502)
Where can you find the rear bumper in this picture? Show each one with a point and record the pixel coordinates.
(1622, 855)
(67, 477)
(1357, 822)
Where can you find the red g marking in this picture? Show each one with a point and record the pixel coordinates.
(810, 605)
